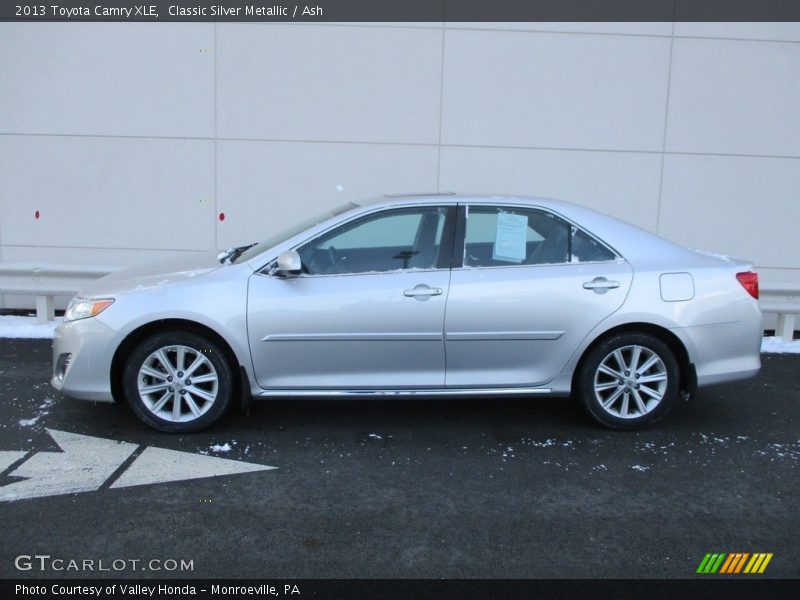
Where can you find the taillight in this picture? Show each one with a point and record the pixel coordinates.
(749, 281)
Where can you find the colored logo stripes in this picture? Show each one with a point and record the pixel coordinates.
(734, 562)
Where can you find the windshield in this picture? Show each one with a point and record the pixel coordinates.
(281, 237)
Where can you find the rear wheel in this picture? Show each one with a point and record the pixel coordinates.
(178, 382)
(629, 381)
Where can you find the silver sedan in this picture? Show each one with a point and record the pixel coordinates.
(421, 296)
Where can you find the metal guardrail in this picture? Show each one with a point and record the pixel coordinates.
(46, 281)
(783, 300)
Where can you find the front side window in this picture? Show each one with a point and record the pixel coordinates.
(387, 241)
(500, 236)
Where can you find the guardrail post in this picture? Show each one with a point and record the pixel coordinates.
(785, 326)
(45, 309)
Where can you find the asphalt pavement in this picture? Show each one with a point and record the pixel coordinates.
(468, 488)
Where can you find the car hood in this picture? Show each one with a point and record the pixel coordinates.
(153, 275)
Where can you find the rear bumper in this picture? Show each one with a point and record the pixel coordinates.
(90, 346)
(724, 352)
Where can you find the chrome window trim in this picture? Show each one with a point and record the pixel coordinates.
(564, 264)
(393, 272)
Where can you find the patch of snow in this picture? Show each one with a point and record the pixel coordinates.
(640, 468)
(26, 327)
(43, 410)
(226, 447)
(776, 345)
(725, 257)
(545, 444)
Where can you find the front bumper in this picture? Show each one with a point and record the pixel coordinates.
(89, 346)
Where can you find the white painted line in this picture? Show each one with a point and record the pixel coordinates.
(87, 462)
(8, 458)
(158, 465)
(83, 467)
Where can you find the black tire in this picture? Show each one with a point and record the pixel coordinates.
(663, 378)
(210, 395)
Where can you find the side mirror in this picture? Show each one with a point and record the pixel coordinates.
(289, 264)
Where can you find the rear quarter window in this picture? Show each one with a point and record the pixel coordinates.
(587, 249)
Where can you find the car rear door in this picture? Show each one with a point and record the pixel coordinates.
(528, 290)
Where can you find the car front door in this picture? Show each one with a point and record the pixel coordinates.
(366, 313)
(530, 287)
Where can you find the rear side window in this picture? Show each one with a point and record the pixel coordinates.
(500, 236)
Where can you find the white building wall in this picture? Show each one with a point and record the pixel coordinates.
(132, 138)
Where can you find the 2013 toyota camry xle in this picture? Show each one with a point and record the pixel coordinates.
(418, 296)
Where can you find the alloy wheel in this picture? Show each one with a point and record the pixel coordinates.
(178, 383)
(630, 382)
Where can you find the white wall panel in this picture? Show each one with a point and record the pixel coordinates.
(746, 31)
(657, 28)
(554, 91)
(279, 117)
(265, 187)
(621, 184)
(735, 97)
(107, 79)
(412, 24)
(744, 206)
(104, 192)
(329, 83)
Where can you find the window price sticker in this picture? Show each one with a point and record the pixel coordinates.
(510, 238)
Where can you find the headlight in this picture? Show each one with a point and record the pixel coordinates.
(81, 309)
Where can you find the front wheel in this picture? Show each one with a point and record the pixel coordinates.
(629, 381)
(178, 382)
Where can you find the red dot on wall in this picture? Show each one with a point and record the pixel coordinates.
(222, 216)
(37, 214)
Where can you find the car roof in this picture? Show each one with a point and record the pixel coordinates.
(568, 209)
(439, 198)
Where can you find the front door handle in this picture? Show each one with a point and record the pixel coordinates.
(422, 292)
(600, 285)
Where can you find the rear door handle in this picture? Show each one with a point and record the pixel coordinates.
(422, 291)
(600, 285)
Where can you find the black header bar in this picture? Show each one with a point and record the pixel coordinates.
(400, 10)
